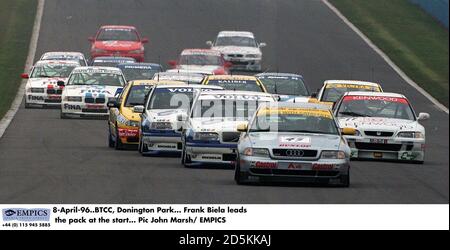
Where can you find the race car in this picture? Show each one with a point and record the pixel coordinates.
(139, 71)
(111, 61)
(293, 142)
(120, 41)
(123, 121)
(163, 116)
(42, 86)
(236, 83)
(240, 48)
(88, 91)
(386, 126)
(286, 86)
(190, 78)
(65, 56)
(333, 90)
(202, 61)
(210, 136)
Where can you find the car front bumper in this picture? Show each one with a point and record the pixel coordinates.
(161, 141)
(211, 153)
(43, 99)
(84, 109)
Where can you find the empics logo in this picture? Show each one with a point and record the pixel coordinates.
(25, 214)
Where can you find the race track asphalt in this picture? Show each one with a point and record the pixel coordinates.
(44, 159)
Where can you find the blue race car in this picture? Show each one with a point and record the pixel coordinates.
(139, 71)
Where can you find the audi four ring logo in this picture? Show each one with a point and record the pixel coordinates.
(295, 153)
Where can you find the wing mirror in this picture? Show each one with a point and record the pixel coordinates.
(349, 131)
(182, 117)
(61, 83)
(144, 40)
(24, 76)
(172, 63)
(209, 43)
(314, 95)
(91, 39)
(138, 109)
(423, 116)
(113, 104)
(262, 45)
(242, 127)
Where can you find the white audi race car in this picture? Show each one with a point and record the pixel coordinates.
(210, 135)
(88, 90)
(387, 127)
(240, 48)
(65, 56)
(42, 86)
(163, 116)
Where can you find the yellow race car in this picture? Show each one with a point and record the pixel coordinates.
(236, 82)
(123, 121)
(333, 90)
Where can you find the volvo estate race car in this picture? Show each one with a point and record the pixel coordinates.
(88, 90)
(42, 86)
(202, 61)
(240, 48)
(299, 142)
(110, 61)
(190, 78)
(163, 115)
(236, 83)
(139, 71)
(386, 126)
(210, 135)
(286, 86)
(333, 90)
(119, 41)
(65, 56)
(124, 122)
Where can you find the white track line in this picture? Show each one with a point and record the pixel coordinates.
(4, 123)
(386, 58)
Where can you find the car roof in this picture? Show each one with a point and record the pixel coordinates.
(240, 92)
(87, 68)
(232, 77)
(136, 64)
(236, 33)
(354, 82)
(154, 82)
(278, 74)
(185, 85)
(383, 94)
(200, 51)
(299, 105)
(58, 62)
(117, 27)
(62, 53)
(175, 73)
(114, 58)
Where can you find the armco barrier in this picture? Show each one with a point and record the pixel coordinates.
(437, 8)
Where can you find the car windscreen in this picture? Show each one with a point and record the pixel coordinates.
(334, 92)
(48, 70)
(237, 85)
(295, 121)
(171, 98)
(285, 85)
(136, 95)
(117, 35)
(96, 78)
(200, 60)
(375, 106)
(215, 108)
(239, 41)
(136, 73)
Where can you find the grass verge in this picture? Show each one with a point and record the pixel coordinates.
(16, 25)
(415, 41)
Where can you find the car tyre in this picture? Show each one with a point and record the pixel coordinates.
(110, 140)
(239, 177)
(118, 145)
(63, 116)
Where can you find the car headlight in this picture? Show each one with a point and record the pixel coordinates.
(357, 133)
(37, 90)
(73, 99)
(132, 123)
(331, 154)
(206, 136)
(416, 135)
(259, 152)
(253, 56)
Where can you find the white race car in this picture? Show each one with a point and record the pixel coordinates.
(210, 135)
(65, 56)
(162, 116)
(190, 78)
(42, 86)
(240, 48)
(88, 90)
(386, 126)
(200, 61)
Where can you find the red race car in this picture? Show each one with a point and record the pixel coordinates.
(123, 41)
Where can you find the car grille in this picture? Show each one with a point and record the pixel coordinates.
(97, 111)
(94, 100)
(235, 55)
(230, 136)
(299, 153)
(54, 91)
(378, 146)
(53, 101)
(307, 173)
(379, 133)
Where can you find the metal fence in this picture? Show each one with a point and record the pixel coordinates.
(437, 8)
